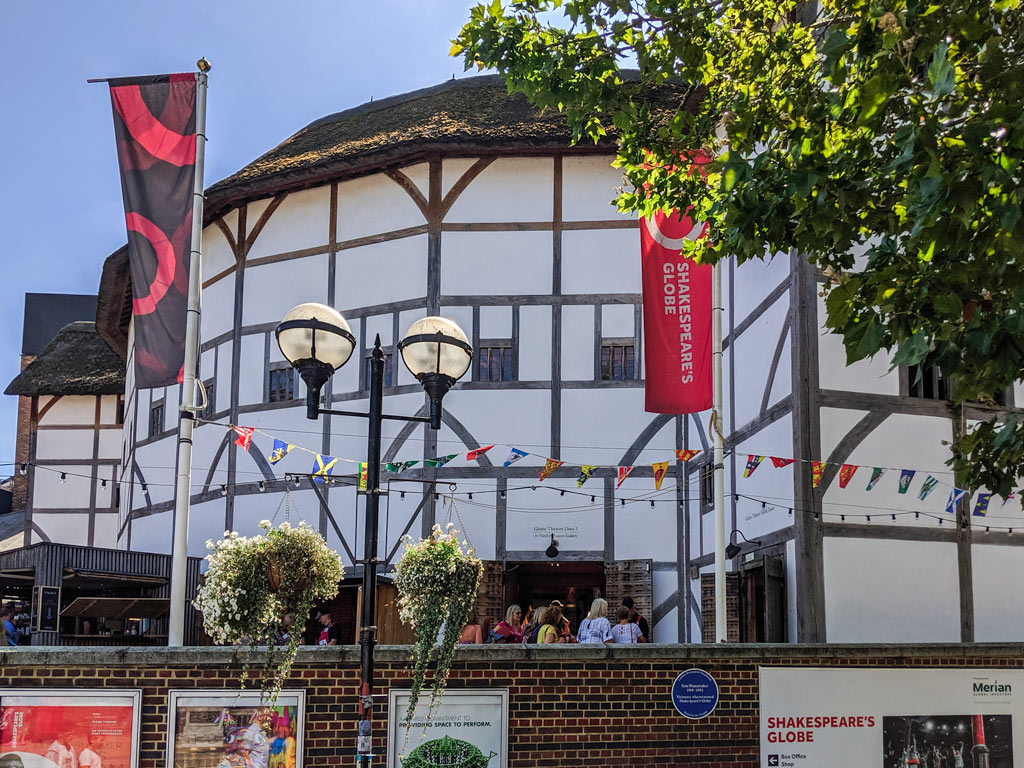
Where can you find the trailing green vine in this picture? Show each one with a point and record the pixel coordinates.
(437, 583)
(259, 590)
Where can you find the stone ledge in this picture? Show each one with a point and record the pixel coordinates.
(349, 654)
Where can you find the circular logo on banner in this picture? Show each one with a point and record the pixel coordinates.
(695, 694)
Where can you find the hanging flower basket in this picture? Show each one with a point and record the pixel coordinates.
(437, 582)
(259, 590)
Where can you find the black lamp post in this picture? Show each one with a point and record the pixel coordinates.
(317, 341)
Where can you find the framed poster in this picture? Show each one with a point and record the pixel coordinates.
(73, 728)
(891, 718)
(46, 609)
(473, 719)
(226, 729)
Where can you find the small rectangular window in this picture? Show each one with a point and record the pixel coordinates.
(494, 362)
(119, 413)
(926, 383)
(389, 375)
(282, 384)
(707, 486)
(156, 419)
(211, 400)
(618, 361)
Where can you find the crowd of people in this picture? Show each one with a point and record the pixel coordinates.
(547, 624)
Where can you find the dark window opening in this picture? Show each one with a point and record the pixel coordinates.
(211, 400)
(119, 412)
(926, 383)
(156, 419)
(281, 385)
(618, 361)
(707, 486)
(494, 363)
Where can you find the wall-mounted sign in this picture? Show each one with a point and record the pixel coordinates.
(207, 729)
(81, 727)
(470, 725)
(46, 609)
(892, 718)
(695, 694)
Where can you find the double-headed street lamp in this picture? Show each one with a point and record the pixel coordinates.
(317, 341)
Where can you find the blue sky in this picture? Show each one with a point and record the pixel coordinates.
(276, 67)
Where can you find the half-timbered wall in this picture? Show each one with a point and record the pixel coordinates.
(74, 457)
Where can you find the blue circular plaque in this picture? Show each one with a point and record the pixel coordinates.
(695, 694)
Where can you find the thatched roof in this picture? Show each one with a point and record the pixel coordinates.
(76, 362)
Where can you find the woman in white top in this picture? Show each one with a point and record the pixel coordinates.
(596, 629)
(626, 631)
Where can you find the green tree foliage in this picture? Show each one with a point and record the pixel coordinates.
(881, 138)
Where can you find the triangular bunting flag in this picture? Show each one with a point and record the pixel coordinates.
(981, 504)
(440, 461)
(752, 464)
(780, 463)
(927, 487)
(400, 466)
(876, 475)
(362, 475)
(623, 474)
(817, 467)
(686, 455)
(585, 472)
(660, 469)
(279, 451)
(954, 498)
(906, 475)
(513, 456)
(550, 465)
(846, 473)
(476, 453)
(244, 438)
(322, 467)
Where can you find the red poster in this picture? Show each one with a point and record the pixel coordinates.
(54, 736)
(677, 317)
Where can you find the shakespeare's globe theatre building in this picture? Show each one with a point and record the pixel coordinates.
(463, 201)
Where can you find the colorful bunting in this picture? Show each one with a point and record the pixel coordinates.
(400, 466)
(550, 465)
(876, 475)
(440, 461)
(660, 470)
(780, 463)
(686, 455)
(362, 475)
(514, 455)
(244, 438)
(322, 467)
(817, 467)
(477, 453)
(623, 474)
(906, 475)
(585, 472)
(927, 487)
(954, 498)
(279, 451)
(846, 473)
(981, 504)
(752, 463)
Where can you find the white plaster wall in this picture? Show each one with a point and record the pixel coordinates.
(791, 591)
(49, 492)
(534, 343)
(153, 533)
(495, 263)
(205, 521)
(506, 417)
(752, 353)
(218, 307)
(251, 358)
(753, 281)
(595, 429)
(768, 484)
(642, 530)
(156, 461)
(62, 528)
(108, 409)
(272, 289)
(111, 442)
(533, 516)
(886, 591)
(601, 261)
(618, 320)
(374, 204)
(871, 375)
(64, 444)
(70, 409)
(578, 343)
(695, 628)
(381, 273)
(217, 254)
(301, 221)
(495, 322)
(452, 170)
(589, 189)
(998, 610)
(667, 630)
(105, 530)
(509, 189)
(222, 393)
(419, 175)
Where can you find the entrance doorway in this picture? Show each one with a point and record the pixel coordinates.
(533, 584)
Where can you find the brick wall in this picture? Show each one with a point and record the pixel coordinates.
(19, 488)
(569, 705)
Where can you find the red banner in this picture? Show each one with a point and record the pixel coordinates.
(677, 317)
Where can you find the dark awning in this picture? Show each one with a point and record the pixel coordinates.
(119, 607)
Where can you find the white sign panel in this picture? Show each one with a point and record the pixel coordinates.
(474, 720)
(891, 718)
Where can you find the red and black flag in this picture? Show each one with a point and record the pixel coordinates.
(155, 127)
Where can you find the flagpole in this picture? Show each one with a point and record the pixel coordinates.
(179, 548)
(719, 465)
